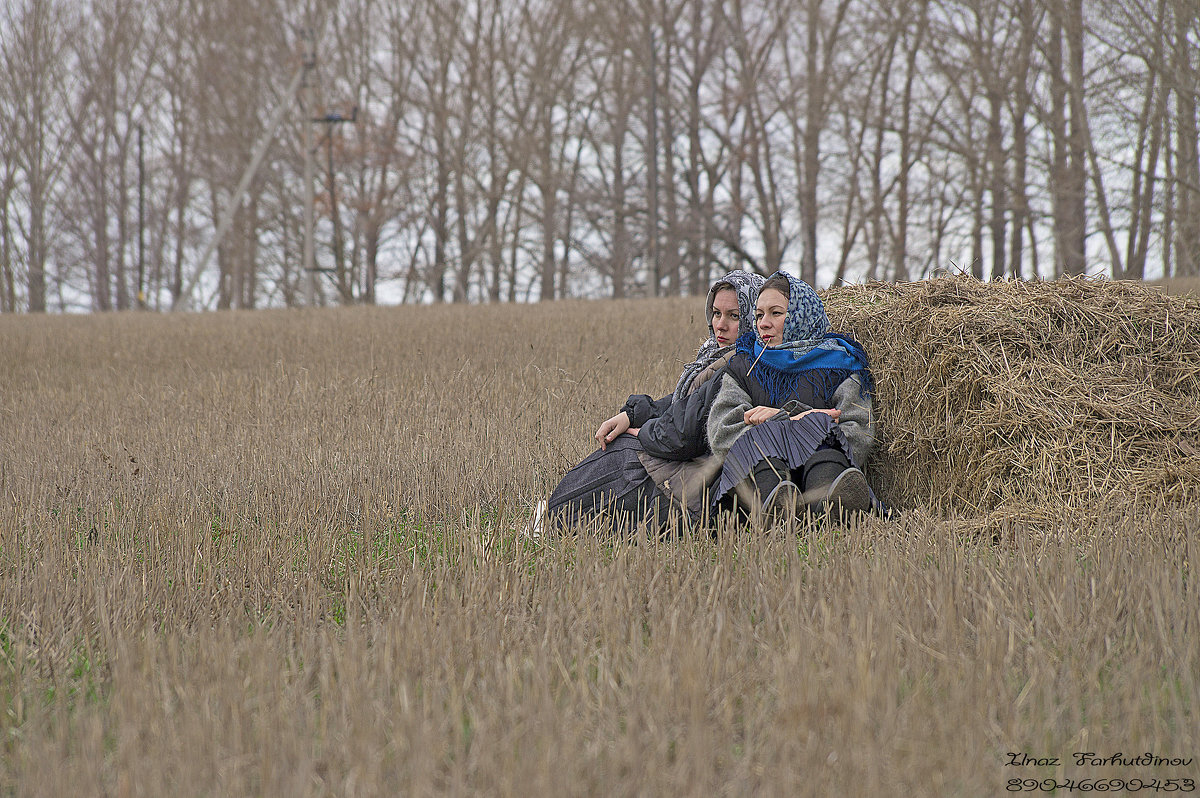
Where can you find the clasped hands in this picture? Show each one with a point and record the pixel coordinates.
(760, 414)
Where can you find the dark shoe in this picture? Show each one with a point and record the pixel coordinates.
(781, 504)
(822, 469)
(849, 493)
(768, 474)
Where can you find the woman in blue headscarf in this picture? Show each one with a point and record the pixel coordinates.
(792, 418)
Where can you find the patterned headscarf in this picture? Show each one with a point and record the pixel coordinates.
(747, 286)
(809, 352)
(806, 323)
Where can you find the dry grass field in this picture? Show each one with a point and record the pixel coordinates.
(279, 554)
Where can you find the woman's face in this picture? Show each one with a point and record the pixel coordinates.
(726, 316)
(770, 311)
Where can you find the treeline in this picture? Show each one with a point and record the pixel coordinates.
(506, 150)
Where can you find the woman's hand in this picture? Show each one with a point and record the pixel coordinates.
(757, 415)
(835, 414)
(613, 427)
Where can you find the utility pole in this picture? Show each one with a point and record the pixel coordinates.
(345, 287)
(311, 270)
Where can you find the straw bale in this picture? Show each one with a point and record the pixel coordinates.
(1033, 395)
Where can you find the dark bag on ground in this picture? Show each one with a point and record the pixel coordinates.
(611, 489)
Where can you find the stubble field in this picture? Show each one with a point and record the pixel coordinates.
(280, 553)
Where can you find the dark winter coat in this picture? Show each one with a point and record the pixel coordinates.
(674, 440)
(680, 431)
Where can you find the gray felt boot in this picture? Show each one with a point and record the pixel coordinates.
(830, 482)
(849, 493)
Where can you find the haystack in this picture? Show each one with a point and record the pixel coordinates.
(1030, 395)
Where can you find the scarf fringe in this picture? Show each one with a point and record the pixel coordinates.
(781, 384)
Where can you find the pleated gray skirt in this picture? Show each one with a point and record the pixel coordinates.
(791, 441)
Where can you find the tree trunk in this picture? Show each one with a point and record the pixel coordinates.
(1020, 153)
(696, 220)
(249, 265)
(8, 283)
(813, 127)
(102, 299)
(900, 270)
(548, 186)
(1067, 173)
(121, 210)
(997, 164)
(1146, 157)
(1187, 150)
(669, 246)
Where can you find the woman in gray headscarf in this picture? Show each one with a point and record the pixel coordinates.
(654, 453)
(730, 314)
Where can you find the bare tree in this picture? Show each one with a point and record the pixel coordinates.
(36, 71)
(996, 40)
(1068, 169)
(545, 79)
(875, 115)
(246, 57)
(618, 82)
(505, 180)
(752, 107)
(1186, 77)
(913, 43)
(1135, 30)
(9, 113)
(481, 173)
(115, 59)
(811, 91)
(663, 43)
(699, 43)
(853, 108)
(177, 78)
(550, 148)
(1029, 19)
(370, 69)
(436, 101)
